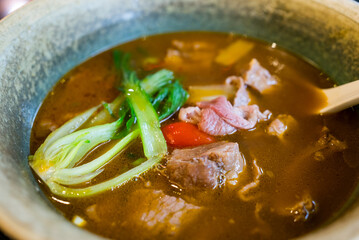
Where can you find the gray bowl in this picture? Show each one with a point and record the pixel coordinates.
(45, 39)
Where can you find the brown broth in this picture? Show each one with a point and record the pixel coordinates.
(290, 171)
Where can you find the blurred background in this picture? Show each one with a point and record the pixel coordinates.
(8, 6)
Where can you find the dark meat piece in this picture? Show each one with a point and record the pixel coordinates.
(258, 77)
(299, 207)
(327, 145)
(302, 210)
(158, 213)
(206, 166)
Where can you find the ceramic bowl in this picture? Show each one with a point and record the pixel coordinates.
(46, 38)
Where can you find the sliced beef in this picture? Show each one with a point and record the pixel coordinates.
(189, 55)
(281, 124)
(159, 214)
(252, 115)
(258, 77)
(189, 46)
(218, 117)
(206, 166)
(241, 117)
(190, 114)
(212, 124)
(242, 97)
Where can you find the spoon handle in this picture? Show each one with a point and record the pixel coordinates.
(341, 97)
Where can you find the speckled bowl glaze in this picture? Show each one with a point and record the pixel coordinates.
(46, 38)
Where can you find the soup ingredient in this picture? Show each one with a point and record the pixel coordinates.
(258, 77)
(54, 154)
(209, 92)
(271, 196)
(87, 171)
(70, 149)
(213, 124)
(188, 55)
(241, 117)
(154, 144)
(219, 117)
(66, 151)
(327, 145)
(182, 134)
(303, 209)
(251, 191)
(234, 52)
(242, 96)
(79, 221)
(169, 100)
(281, 124)
(205, 167)
(158, 213)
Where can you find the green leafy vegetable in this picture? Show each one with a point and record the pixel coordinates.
(152, 83)
(66, 151)
(154, 143)
(136, 110)
(177, 96)
(107, 107)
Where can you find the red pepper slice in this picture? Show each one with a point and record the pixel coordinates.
(182, 134)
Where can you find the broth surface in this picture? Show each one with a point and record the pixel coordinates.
(291, 173)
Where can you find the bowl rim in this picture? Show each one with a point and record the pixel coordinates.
(15, 23)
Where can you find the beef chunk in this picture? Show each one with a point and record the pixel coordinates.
(258, 77)
(206, 166)
(158, 213)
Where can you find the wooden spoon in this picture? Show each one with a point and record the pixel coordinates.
(341, 97)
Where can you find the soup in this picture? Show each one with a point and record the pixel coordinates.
(248, 156)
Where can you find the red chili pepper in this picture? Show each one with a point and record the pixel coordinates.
(182, 134)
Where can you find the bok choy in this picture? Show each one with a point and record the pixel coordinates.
(138, 109)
